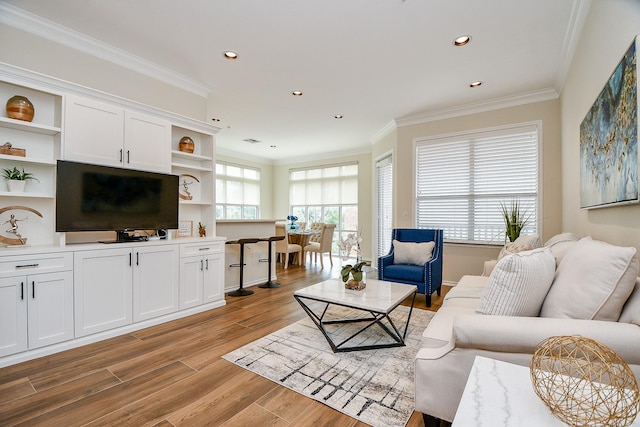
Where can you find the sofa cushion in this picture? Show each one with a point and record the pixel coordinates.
(440, 326)
(412, 253)
(513, 248)
(631, 310)
(593, 281)
(404, 272)
(560, 244)
(518, 284)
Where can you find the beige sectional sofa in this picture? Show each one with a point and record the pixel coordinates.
(568, 286)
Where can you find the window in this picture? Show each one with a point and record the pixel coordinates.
(237, 192)
(384, 204)
(328, 194)
(461, 181)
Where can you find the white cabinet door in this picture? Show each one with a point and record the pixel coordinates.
(155, 281)
(13, 315)
(147, 142)
(213, 277)
(93, 132)
(191, 272)
(102, 290)
(50, 308)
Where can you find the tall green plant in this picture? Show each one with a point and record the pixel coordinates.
(515, 218)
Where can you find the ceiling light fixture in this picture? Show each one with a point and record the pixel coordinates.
(215, 119)
(272, 146)
(462, 40)
(229, 54)
(475, 84)
(297, 93)
(338, 116)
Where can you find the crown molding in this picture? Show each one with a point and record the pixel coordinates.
(26, 21)
(386, 130)
(579, 13)
(479, 107)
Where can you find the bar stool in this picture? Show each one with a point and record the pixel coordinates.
(269, 283)
(241, 292)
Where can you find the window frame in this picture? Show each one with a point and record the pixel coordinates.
(241, 206)
(536, 225)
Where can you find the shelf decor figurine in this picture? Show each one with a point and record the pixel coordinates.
(8, 149)
(13, 225)
(186, 145)
(202, 229)
(16, 179)
(20, 108)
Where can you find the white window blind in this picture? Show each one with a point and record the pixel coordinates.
(384, 202)
(461, 181)
(237, 192)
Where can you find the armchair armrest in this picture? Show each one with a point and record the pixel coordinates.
(385, 261)
(510, 334)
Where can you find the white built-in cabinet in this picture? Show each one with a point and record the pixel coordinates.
(115, 287)
(201, 273)
(36, 302)
(103, 290)
(106, 134)
(52, 292)
(156, 283)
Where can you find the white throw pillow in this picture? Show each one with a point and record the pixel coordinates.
(412, 253)
(631, 310)
(560, 244)
(593, 281)
(518, 284)
(532, 240)
(513, 248)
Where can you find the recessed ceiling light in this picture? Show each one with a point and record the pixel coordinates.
(229, 54)
(338, 116)
(215, 119)
(272, 146)
(297, 93)
(475, 84)
(462, 40)
(252, 140)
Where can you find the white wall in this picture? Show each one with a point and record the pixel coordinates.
(610, 28)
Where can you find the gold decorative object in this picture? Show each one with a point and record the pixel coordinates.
(584, 383)
(19, 107)
(13, 225)
(186, 144)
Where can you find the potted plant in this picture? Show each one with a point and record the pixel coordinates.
(16, 179)
(292, 225)
(515, 219)
(355, 271)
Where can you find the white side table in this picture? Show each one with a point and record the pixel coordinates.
(501, 394)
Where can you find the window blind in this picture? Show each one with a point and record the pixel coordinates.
(462, 180)
(384, 201)
(237, 192)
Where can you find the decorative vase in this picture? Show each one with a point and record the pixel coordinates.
(16, 186)
(186, 144)
(20, 108)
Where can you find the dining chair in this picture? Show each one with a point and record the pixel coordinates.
(284, 248)
(322, 244)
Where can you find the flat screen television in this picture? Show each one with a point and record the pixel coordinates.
(102, 198)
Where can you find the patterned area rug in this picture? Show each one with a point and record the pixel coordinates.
(373, 386)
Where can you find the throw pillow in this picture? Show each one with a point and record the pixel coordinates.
(412, 252)
(518, 284)
(560, 244)
(532, 240)
(631, 310)
(513, 248)
(593, 281)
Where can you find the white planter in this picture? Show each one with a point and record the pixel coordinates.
(16, 186)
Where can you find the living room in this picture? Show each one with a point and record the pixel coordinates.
(609, 27)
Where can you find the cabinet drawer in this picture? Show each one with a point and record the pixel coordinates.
(35, 264)
(201, 248)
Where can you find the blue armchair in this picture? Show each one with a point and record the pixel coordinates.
(427, 277)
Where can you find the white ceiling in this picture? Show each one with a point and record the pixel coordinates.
(377, 62)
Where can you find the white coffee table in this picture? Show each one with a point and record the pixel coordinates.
(378, 299)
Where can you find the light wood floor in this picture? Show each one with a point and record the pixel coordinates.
(173, 374)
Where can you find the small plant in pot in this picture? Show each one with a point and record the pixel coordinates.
(17, 179)
(515, 219)
(355, 271)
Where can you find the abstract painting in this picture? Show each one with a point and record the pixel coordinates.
(609, 140)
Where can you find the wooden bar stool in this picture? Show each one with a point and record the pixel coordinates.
(269, 283)
(241, 291)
